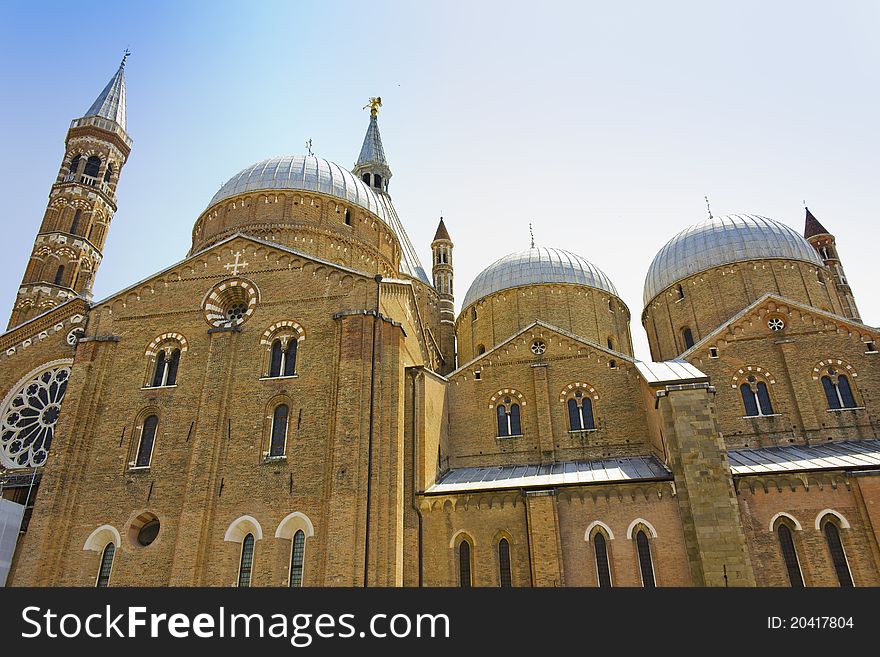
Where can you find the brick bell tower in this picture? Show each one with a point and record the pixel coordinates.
(70, 242)
(441, 249)
(826, 247)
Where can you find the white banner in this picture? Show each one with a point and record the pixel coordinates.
(10, 523)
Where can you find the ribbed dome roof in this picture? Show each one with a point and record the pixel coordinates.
(306, 173)
(721, 241)
(535, 266)
(315, 174)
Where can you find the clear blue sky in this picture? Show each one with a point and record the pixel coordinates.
(603, 123)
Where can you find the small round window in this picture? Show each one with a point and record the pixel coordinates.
(776, 324)
(148, 533)
(538, 347)
(236, 312)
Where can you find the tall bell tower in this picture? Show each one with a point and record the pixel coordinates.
(441, 249)
(70, 242)
(826, 247)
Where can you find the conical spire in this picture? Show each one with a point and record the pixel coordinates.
(812, 226)
(442, 233)
(110, 104)
(371, 165)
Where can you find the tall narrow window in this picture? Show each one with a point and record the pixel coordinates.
(290, 358)
(464, 565)
(504, 563)
(275, 359)
(645, 564)
(680, 291)
(161, 370)
(688, 337)
(108, 173)
(106, 566)
(838, 556)
(366, 178)
(74, 226)
(508, 419)
(580, 412)
(173, 364)
(347, 217)
(377, 181)
(789, 555)
(610, 343)
(74, 164)
(297, 553)
(247, 561)
(279, 430)
(838, 391)
(603, 570)
(59, 275)
(145, 446)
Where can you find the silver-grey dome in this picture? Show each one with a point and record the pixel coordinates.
(535, 266)
(721, 241)
(315, 174)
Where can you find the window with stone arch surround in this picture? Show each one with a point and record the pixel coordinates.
(785, 529)
(463, 551)
(507, 406)
(273, 424)
(642, 534)
(754, 387)
(293, 524)
(580, 400)
(290, 335)
(137, 436)
(163, 347)
(600, 536)
(833, 526)
(838, 384)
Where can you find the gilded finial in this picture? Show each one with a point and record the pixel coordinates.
(708, 208)
(532, 234)
(125, 55)
(374, 105)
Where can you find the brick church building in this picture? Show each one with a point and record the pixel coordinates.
(296, 402)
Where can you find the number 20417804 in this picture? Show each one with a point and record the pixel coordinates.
(809, 622)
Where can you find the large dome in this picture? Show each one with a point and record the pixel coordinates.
(721, 241)
(535, 266)
(306, 173)
(315, 174)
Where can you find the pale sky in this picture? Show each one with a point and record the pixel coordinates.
(604, 124)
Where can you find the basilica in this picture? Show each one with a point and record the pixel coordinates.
(297, 403)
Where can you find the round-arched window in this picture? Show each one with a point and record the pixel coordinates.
(28, 416)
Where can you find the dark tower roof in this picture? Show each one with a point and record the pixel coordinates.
(812, 226)
(442, 233)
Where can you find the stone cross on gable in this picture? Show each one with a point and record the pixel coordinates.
(234, 266)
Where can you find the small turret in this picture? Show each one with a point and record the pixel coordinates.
(442, 273)
(824, 243)
(371, 165)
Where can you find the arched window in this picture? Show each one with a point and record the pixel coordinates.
(103, 580)
(508, 419)
(75, 224)
(481, 349)
(93, 164)
(279, 430)
(688, 337)
(837, 390)
(611, 343)
(246, 565)
(756, 397)
(603, 570)
(366, 178)
(108, 173)
(680, 291)
(789, 555)
(59, 274)
(282, 361)
(145, 444)
(464, 565)
(505, 576)
(297, 554)
(580, 412)
(645, 565)
(165, 373)
(838, 556)
(377, 181)
(473, 314)
(347, 217)
(74, 164)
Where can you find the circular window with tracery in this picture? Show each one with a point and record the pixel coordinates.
(539, 347)
(231, 303)
(28, 416)
(776, 324)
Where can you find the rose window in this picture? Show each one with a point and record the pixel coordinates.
(776, 324)
(28, 420)
(538, 347)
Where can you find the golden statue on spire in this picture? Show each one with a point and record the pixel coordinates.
(374, 105)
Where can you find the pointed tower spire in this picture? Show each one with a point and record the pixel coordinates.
(441, 248)
(371, 165)
(812, 227)
(110, 103)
